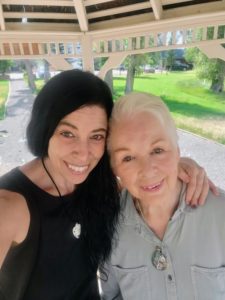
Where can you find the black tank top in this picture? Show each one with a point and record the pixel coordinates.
(61, 269)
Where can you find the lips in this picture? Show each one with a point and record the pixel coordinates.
(153, 187)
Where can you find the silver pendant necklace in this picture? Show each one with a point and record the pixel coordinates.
(159, 260)
(76, 230)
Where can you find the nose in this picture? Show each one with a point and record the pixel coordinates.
(81, 150)
(147, 167)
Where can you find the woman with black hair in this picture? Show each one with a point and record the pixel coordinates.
(58, 212)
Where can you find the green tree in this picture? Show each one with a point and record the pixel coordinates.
(4, 66)
(170, 59)
(210, 69)
(133, 64)
(30, 76)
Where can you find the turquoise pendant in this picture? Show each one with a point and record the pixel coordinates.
(159, 260)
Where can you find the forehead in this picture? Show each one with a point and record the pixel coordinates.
(137, 123)
(137, 129)
(87, 114)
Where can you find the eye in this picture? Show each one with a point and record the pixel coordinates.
(127, 158)
(67, 134)
(157, 151)
(98, 137)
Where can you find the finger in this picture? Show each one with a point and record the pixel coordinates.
(213, 188)
(183, 175)
(196, 187)
(190, 189)
(204, 192)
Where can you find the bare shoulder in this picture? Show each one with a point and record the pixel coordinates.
(14, 220)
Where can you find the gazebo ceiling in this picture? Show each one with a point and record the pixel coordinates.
(87, 15)
(57, 30)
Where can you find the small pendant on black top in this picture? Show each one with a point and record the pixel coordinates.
(159, 259)
(76, 230)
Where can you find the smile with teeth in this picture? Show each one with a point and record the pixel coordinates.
(153, 187)
(78, 169)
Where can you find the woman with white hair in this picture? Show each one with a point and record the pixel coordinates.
(164, 249)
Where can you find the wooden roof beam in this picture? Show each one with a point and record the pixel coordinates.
(157, 8)
(93, 2)
(40, 15)
(2, 21)
(81, 14)
(67, 3)
(118, 10)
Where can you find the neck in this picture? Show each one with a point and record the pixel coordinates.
(157, 214)
(56, 185)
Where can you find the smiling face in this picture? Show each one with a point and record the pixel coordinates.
(78, 143)
(144, 156)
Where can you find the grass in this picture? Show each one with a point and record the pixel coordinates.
(4, 89)
(194, 107)
(39, 84)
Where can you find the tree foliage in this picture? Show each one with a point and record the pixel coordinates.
(210, 69)
(4, 66)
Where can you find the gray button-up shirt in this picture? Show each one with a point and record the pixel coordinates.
(194, 245)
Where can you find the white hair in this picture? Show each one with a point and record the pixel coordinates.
(134, 103)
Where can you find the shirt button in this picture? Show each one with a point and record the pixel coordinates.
(170, 278)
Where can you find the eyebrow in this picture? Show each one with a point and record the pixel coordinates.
(75, 127)
(122, 149)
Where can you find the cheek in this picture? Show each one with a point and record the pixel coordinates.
(126, 176)
(98, 150)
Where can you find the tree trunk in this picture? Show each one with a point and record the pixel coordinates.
(109, 79)
(130, 75)
(46, 71)
(30, 75)
(217, 84)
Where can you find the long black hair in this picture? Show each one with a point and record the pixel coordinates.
(98, 197)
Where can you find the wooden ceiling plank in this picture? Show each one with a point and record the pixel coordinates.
(67, 3)
(157, 8)
(81, 14)
(44, 27)
(118, 10)
(199, 9)
(168, 2)
(2, 21)
(40, 15)
(95, 2)
(161, 25)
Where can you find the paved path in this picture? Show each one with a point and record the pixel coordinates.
(209, 154)
(13, 150)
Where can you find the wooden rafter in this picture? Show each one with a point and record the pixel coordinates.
(157, 8)
(81, 14)
(2, 21)
(105, 28)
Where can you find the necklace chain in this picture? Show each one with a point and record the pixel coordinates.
(50, 176)
(140, 210)
(76, 230)
(159, 259)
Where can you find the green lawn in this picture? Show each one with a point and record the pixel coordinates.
(4, 89)
(190, 101)
(193, 106)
